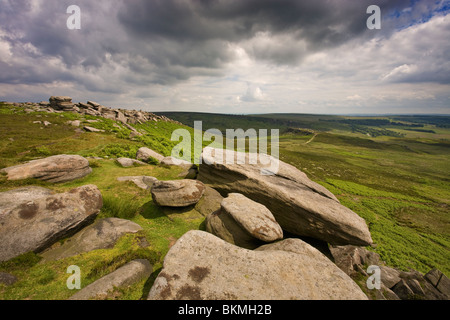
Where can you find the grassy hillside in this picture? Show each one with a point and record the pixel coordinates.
(23, 140)
(391, 170)
(398, 184)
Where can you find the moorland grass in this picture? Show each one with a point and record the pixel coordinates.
(400, 186)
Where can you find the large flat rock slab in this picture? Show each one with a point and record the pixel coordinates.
(12, 198)
(299, 205)
(202, 266)
(59, 168)
(37, 224)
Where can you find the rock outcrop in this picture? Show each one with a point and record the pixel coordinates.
(202, 266)
(395, 284)
(143, 182)
(177, 193)
(59, 168)
(190, 170)
(127, 162)
(61, 103)
(103, 234)
(12, 198)
(243, 222)
(145, 154)
(37, 224)
(7, 279)
(123, 277)
(58, 104)
(209, 202)
(299, 205)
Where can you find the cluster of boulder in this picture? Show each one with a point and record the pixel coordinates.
(62, 103)
(243, 253)
(394, 284)
(145, 155)
(35, 219)
(257, 243)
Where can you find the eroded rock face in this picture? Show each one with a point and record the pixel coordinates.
(202, 266)
(177, 193)
(12, 198)
(299, 205)
(37, 224)
(103, 234)
(59, 168)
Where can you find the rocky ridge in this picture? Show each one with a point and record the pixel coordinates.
(58, 104)
(268, 263)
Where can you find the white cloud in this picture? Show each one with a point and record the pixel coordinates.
(253, 94)
(399, 72)
(248, 69)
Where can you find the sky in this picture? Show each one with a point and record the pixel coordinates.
(230, 56)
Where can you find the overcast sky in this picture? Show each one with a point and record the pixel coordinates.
(230, 56)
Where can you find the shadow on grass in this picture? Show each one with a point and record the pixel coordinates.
(149, 283)
(152, 211)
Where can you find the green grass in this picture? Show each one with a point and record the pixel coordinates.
(399, 185)
(161, 227)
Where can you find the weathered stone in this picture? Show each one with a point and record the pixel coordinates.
(37, 224)
(209, 202)
(123, 277)
(254, 217)
(439, 281)
(60, 99)
(127, 162)
(144, 154)
(389, 276)
(103, 234)
(143, 182)
(177, 193)
(299, 205)
(189, 173)
(7, 279)
(60, 168)
(415, 287)
(171, 161)
(84, 105)
(12, 198)
(403, 291)
(92, 129)
(75, 123)
(93, 104)
(223, 225)
(348, 257)
(202, 266)
(384, 293)
(120, 117)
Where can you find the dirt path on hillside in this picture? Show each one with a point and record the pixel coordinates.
(315, 134)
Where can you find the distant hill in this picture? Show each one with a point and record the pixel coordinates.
(370, 125)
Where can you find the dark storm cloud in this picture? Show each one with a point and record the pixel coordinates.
(321, 24)
(167, 41)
